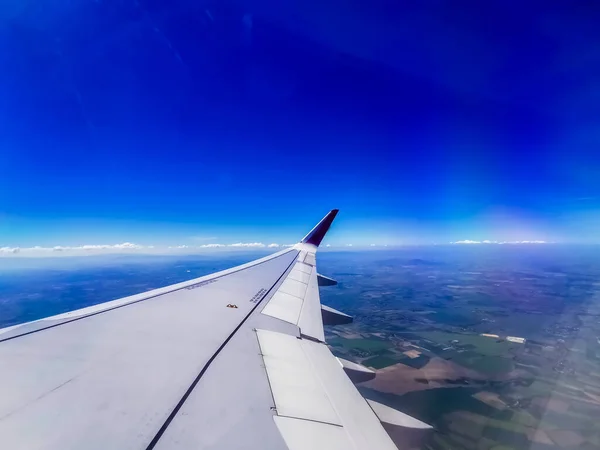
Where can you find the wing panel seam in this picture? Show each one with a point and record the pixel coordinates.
(189, 391)
(311, 420)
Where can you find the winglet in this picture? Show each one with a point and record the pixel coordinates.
(317, 234)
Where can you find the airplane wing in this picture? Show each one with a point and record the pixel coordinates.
(232, 360)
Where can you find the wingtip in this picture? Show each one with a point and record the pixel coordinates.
(317, 234)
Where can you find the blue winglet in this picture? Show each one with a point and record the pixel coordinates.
(317, 234)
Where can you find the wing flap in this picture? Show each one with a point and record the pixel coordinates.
(307, 435)
(309, 384)
(297, 390)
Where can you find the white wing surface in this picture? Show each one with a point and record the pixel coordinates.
(233, 360)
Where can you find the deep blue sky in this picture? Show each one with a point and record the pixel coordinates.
(173, 122)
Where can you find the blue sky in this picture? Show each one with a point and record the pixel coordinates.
(246, 122)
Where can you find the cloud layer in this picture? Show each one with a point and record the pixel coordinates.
(247, 244)
(125, 247)
(60, 248)
(129, 247)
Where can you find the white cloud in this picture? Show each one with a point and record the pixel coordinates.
(328, 245)
(59, 248)
(128, 245)
(372, 245)
(10, 249)
(247, 244)
(273, 245)
(288, 245)
(348, 245)
(466, 241)
(212, 245)
(123, 246)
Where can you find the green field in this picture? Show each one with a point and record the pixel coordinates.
(478, 427)
(538, 387)
(490, 365)
(484, 425)
(524, 418)
(379, 362)
(420, 404)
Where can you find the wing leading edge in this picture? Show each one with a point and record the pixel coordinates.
(180, 368)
